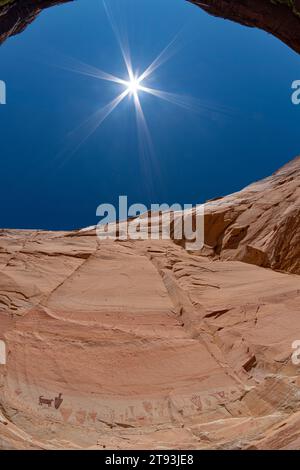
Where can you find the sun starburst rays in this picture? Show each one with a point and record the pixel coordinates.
(133, 85)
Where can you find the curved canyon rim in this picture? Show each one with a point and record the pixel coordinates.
(139, 343)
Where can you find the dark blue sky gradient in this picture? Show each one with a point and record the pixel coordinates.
(198, 155)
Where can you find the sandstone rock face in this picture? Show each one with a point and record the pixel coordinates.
(260, 224)
(141, 344)
(278, 17)
(16, 15)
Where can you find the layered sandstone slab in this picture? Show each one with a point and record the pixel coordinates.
(260, 224)
(134, 344)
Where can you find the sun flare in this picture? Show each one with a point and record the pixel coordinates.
(133, 86)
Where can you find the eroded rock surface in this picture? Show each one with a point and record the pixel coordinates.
(260, 224)
(141, 344)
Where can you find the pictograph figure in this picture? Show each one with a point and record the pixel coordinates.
(58, 401)
(45, 401)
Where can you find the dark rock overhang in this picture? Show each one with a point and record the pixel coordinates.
(16, 15)
(278, 17)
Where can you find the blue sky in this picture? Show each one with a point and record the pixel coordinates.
(197, 155)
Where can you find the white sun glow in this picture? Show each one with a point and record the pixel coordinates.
(132, 86)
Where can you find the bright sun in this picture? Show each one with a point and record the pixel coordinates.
(133, 85)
